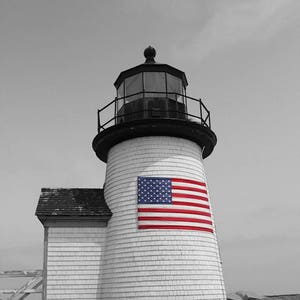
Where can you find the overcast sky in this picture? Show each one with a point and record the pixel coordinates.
(58, 62)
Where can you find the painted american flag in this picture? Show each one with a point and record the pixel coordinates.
(173, 203)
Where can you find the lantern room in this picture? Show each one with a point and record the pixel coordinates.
(151, 90)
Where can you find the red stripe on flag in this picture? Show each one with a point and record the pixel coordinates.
(175, 227)
(175, 219)
(188, 181)
(179, 195)
(170, 210)
(186, 188)
(190, 204)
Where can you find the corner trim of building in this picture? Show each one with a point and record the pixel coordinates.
(45, 263)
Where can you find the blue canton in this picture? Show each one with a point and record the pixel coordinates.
(154, 190)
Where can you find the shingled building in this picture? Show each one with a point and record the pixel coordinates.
(75, 223)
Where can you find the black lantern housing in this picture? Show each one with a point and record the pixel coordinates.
(151, 100)
(151, 90)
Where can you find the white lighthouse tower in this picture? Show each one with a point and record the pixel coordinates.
(160, 241)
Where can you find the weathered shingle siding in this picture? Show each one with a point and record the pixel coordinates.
(74, 262)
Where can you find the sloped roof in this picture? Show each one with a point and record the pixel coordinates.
(73, 202)
(243, 295)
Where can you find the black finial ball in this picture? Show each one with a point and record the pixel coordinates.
(149, 54)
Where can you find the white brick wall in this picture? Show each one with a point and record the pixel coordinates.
(74, 262)
(155, 264)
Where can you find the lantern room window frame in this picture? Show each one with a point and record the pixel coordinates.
(143, 90)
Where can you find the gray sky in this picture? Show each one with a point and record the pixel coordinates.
(58, 62)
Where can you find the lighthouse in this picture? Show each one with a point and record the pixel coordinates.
(149, 233)
(160, 241)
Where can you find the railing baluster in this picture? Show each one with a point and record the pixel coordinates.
(98, 120)
(200, 104)
(115, 116)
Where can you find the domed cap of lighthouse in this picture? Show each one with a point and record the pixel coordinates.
(151, 100)
(152, 66)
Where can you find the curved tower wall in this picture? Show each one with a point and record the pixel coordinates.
(160, 263)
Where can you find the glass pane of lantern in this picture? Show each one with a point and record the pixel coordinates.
(155, 82)
(120, 91)
(133, 85)
(174, 85)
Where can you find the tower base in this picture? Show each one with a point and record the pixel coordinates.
(155, 263)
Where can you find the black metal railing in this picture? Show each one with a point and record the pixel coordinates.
(200, 115)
